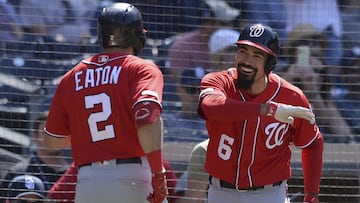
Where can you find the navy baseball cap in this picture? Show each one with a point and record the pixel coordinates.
(26, 185)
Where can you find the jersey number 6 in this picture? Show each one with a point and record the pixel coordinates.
(224, 149)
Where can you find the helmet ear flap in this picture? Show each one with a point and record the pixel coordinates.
(270, 64)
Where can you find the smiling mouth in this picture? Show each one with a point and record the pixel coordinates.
(245, 69)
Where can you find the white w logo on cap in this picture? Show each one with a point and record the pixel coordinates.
(256, 30)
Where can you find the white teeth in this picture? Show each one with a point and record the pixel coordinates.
(247, 69)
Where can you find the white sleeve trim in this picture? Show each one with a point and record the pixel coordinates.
(54, 135)
(311, 141)
(144, 100)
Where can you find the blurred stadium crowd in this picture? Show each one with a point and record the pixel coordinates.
(41, 40)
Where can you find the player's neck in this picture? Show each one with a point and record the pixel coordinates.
(258, 87)
(128, 50)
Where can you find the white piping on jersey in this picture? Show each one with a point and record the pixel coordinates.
(277, 89)
(275, 93)
(253, 152)
(311, 141)
(239, 157)
(54, 135)
(101, 64)
(144, 100)
(255, 137)
(209, 89)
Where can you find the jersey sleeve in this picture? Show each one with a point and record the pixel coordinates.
(56, 123)
(215, 104)
(147, 85)
(306, 132)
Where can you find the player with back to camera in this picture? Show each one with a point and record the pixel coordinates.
(108, 107)
(252, 116)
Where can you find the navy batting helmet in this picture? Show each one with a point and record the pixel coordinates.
(121, 25)
(26, 185)
(264, 38)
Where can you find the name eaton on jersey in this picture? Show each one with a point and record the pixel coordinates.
(98, 76)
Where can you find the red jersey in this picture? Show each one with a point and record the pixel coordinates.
(94, 105)
(248, 149)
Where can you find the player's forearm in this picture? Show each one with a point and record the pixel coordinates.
(312, 165)
(150, 136)
(217, 107)
(57, 142)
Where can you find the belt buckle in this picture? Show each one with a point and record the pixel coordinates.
(105, 162)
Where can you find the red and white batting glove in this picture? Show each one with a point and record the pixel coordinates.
(311, 198)
(286, 113)
(159, 187)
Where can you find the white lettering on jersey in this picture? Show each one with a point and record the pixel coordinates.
(224, 150)
(275, 133)
(96, 77)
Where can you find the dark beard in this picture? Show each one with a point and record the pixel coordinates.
(244, 81)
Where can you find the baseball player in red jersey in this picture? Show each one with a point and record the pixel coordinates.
(252, 116)
(108, 107)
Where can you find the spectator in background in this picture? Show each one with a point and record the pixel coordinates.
(346, 94)
(161, 17)
(191, 12)
(10, 23)
(25, 189)
(48, 165)
(267, 12)
(191, 48)
(324, 16)
(312, 77)
(194, 183)
(185, 125)
(222, 48)
(62, 20)
(350, 17)
(162, 22)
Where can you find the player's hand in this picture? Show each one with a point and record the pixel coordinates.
(286, 113)
(311, 198)
(159, 188)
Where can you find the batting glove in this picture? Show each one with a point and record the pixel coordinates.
(159, 188)
(286, 113)
(311, 198)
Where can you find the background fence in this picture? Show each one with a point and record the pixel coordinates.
(40, 41)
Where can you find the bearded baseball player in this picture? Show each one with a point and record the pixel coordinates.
(252, 116)
(108, 107)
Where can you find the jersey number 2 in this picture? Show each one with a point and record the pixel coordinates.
(104, 100)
